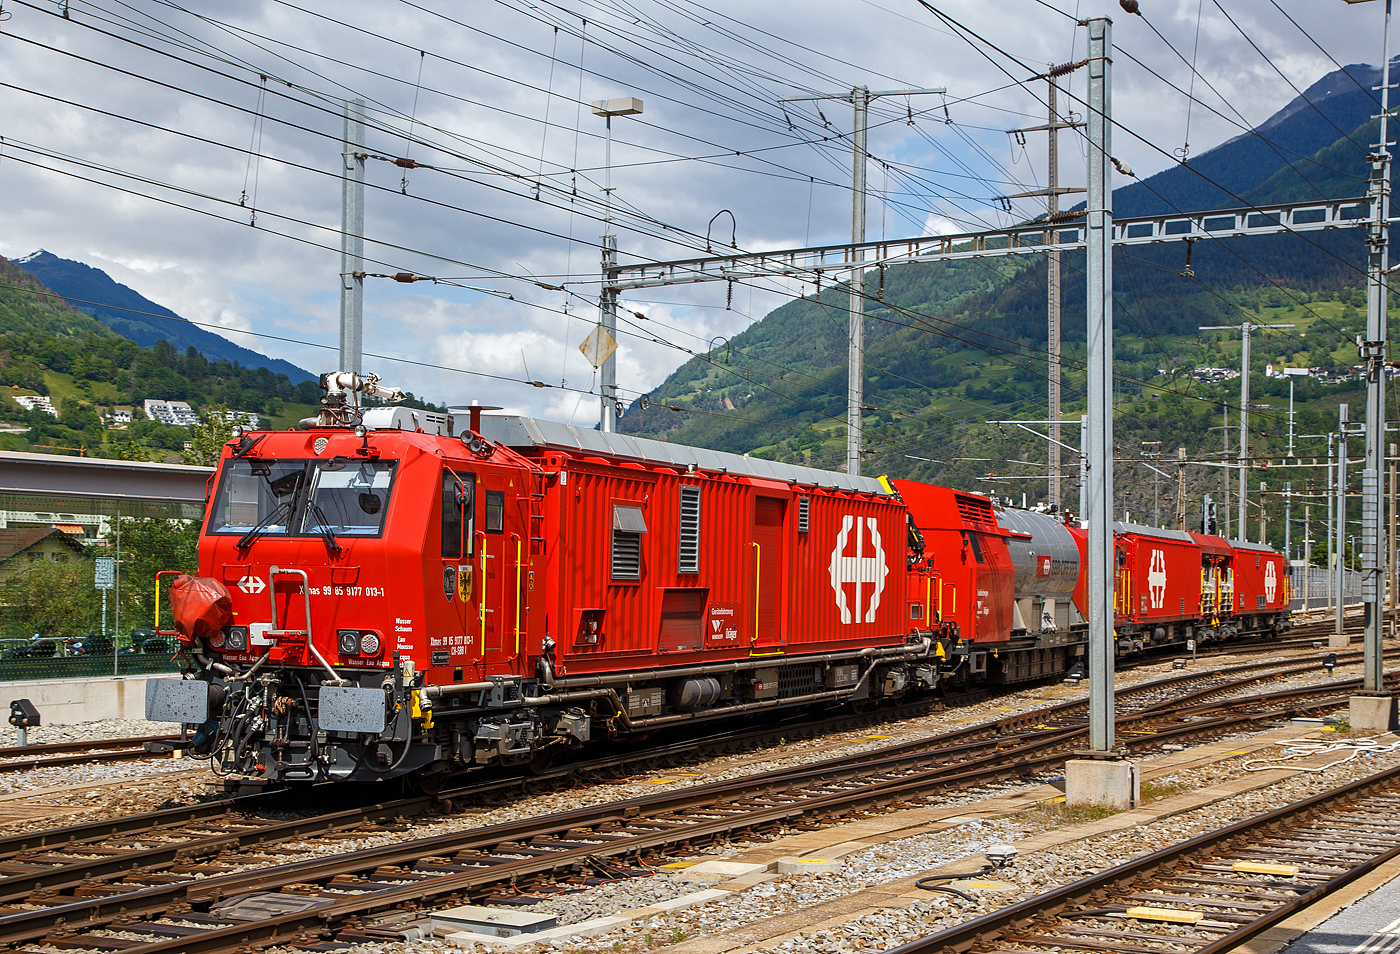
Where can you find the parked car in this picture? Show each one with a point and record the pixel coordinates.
(155, 644)
(35, 649)
(93, 644)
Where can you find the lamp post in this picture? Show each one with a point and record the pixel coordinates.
(607, 303)
(1293, 375)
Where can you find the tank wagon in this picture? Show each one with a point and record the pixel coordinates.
(387, 592)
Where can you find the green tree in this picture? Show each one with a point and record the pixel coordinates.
(55, 600)
(208, 437)
(127, 449)
(149, 545)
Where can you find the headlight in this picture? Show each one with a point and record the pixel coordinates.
(369, 644)
(237, 640)
(349, 641)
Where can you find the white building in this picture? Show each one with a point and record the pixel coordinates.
(177, 413)
(31, 401)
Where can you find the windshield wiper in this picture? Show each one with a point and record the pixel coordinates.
(246, 541)
(327, 534)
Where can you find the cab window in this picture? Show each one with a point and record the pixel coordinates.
(349, 498)
(256, 493)
(495, 511)
(458, 514)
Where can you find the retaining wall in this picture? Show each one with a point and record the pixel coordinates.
(68, 701)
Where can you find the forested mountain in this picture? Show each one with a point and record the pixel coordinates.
(141, 320)
(86, 370)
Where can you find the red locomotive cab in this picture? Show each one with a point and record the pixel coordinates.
(316, 532)
(976, 578)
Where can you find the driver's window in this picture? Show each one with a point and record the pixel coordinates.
(458, 515)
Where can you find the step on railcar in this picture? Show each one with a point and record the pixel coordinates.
(387, 592)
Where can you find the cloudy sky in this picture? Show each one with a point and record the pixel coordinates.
(192, 152)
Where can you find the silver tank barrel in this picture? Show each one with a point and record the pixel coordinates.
(1048, 538)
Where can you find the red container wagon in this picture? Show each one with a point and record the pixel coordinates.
(1157, 594)
(657, 555)
(1261, 589)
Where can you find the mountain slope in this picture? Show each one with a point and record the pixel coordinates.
(138, 318)
(25, 306)
(1340, 102)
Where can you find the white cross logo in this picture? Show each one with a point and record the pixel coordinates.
(859, 569)
(252, 585)
(1270, 582)
(1157, 579)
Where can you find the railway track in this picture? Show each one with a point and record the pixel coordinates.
(50, 755)
(1207, 895)
(26, 758)
(175, 897)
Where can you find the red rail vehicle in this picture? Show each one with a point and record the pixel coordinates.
(391, 592)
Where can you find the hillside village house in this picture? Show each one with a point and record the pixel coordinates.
(20, 548)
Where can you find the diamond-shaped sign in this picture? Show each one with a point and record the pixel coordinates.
(598, 346)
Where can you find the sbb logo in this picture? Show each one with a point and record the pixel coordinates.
(858, 571)
(1157, 579)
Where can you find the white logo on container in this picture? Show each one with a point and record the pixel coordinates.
(859, 570)
(1157, 579)
(1270, 582)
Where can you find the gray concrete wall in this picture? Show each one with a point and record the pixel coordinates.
(69, 701)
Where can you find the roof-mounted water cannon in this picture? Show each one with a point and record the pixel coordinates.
(341, 401)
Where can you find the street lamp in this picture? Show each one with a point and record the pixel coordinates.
(604, 338)
(1293, 373)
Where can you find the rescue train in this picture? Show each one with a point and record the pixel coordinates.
(389, 592)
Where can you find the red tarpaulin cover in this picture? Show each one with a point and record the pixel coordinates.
(201, 606)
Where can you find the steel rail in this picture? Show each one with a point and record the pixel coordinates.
(337, 913)
(1046, 749)
(999, 926)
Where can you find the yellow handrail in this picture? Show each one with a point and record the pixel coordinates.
(757, 588)
(517, 597)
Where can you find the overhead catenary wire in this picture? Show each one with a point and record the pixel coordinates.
(809, 180)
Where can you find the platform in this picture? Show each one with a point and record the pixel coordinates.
(70, 701)
(1371, 924)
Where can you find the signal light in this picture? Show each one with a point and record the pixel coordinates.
(237, 639)
(369, 644)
